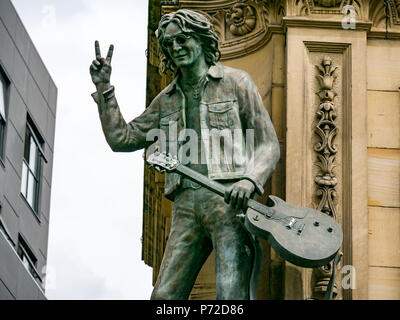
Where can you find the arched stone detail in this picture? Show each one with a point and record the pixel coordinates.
(326, 6)
(328, 3)
(243, 26)
(384, 14)
(332, 7)
(394, 11)
(377, 14)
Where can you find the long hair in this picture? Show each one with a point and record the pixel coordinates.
(194, 24)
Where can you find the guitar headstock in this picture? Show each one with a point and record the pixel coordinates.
(162, 161)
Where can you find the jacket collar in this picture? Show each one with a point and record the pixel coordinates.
(215, 72)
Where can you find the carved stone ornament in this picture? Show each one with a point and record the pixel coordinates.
(241, 19)
(326, 131)
(326, 6)
(326, 180)
(327, 3)
(243, 26)
(394, 10)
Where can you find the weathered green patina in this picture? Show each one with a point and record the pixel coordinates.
(203, 96)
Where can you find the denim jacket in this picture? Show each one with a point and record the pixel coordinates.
(232, 119)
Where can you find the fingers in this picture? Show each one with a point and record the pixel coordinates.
(234, 198)
(246, 200)
(237, 198)
(92, 68)
(110, 53)
(95, 66)
(227, 196)
(97, 50)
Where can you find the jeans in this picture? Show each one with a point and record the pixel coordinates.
(201, 222)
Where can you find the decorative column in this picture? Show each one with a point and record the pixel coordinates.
(326, 149)
(326, 131)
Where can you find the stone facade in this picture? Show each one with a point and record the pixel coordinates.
(329, 75)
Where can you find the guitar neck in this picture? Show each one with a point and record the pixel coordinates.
(201, 179)
(218, 188)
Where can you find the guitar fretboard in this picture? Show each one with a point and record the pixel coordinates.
(220, 189)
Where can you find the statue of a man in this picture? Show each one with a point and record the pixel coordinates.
(204, 95)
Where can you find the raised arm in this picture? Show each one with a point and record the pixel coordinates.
(121, 136)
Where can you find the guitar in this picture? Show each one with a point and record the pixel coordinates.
(302, 236)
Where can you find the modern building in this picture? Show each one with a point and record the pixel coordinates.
(329, 75)
(27, 125)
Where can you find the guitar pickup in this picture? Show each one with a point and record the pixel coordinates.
(300, 228)
(290, 224)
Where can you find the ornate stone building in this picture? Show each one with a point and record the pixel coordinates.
(329, 74)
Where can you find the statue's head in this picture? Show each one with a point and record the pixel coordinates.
(185, 34)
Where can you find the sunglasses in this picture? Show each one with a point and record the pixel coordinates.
(180, 39)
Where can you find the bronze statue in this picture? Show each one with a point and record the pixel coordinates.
(204, 97)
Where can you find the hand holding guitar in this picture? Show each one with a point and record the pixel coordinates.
(303, 236)
(239, 194)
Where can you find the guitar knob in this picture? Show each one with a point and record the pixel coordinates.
(255, 218)
(316, 223)
(329, 229)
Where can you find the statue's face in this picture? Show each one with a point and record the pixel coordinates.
(183, 49)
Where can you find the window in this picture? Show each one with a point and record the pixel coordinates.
(3, 119)
(28, 259)
(31, 167)
(3, 230)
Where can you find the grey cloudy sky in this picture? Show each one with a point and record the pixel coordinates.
(96, 207)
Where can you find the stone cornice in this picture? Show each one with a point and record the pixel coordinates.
(265, 18)
(375, 34)
(307, 22)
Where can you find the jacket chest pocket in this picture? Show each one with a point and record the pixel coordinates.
(169, 124)
(222, 115)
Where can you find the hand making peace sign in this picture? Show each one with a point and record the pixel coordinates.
(100, 69)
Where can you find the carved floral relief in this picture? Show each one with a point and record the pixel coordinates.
(326, 180)
(241, 19)
(326, 130)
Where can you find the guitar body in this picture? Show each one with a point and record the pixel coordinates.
(302, 236)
